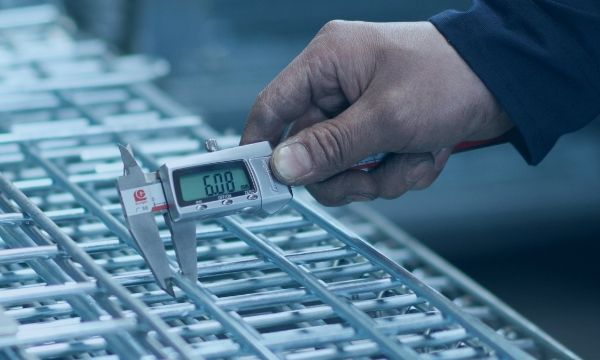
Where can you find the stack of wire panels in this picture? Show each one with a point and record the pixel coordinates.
(296, 285)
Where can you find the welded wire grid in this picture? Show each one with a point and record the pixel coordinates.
(297, 285)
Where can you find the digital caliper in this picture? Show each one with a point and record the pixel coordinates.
(213, 184)
(209, 185)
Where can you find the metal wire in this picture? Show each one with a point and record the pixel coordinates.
(297, 285)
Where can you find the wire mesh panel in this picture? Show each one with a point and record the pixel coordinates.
(296, 285)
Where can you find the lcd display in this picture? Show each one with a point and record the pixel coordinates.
(211, 182)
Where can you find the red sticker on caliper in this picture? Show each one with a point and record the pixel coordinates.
(144, 199)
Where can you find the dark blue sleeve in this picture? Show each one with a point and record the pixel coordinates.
(540, 59)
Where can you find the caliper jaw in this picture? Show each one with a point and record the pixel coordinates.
(142, 226)
(183, 236)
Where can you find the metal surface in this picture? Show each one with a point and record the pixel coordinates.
(296, 285)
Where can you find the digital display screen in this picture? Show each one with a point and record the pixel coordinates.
(211, 182)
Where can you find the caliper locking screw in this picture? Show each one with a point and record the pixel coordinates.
(211, 145)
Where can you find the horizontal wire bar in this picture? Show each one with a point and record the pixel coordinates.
(95, 130)
(110, 78)
(28, 16)
(63, 349)
(301, 315)
(28, 253)
(334, 333)
(56, 333)
(30, 294)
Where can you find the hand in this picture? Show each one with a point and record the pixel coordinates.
(363, 88)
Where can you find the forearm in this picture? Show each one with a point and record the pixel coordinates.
(540, 59)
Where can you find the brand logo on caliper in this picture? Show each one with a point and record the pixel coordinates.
(139, 195)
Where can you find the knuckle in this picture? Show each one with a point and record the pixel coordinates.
(338, 34)
(333, 27)
(262, 113)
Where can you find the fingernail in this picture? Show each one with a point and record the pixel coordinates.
(292, 161)
(416, 173)
(358, 197)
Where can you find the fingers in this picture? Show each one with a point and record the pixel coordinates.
(326, 148)
(398, 174)
(308, 84)
(440, 159)
(286, 98)
(330, 74)
(344, 188)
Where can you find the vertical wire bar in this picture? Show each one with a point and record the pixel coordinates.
(486, 334)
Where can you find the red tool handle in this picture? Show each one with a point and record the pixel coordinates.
(470, 145)
(373, 161)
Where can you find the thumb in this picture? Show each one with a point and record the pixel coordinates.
(325, 149)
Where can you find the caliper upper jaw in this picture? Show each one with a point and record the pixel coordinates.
(143, 227)
(130, 165)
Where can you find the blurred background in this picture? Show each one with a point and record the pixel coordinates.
(531, 235)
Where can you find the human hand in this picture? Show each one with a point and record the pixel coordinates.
(363, 88)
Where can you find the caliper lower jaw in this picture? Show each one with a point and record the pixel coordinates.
(183, 236)
(144, 231)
